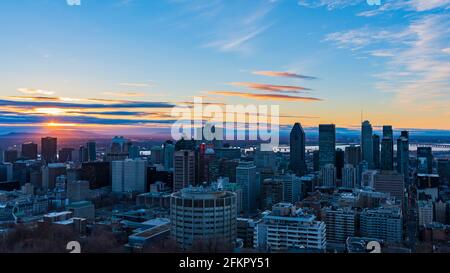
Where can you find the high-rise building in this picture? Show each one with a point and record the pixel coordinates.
(440, 212)
(361, 169)
(297, 150)
(83, 154)
(339, 163)
(265, 160)
(424, 160)
(169, 150)
(203, 215)
(388, 132)
(49, 148)
(97, 173)
(327, 144)
(292, 187)
(376, 151)
(367, 143)
(11, 155)
(6, 172)
(328, 176)
(129, 176)
(403, 155)
(65, 155)
(246, 177)
(390, 182)
(348, 176)
(387, 149)
(49, 174)
(184, 169)
(91, 151)
(271, 193)
(340, 223)
(286, 228)
(353, 155)
(316, 161)
(443, 166)
(382, 223)
(29, 150)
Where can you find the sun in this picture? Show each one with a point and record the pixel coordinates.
(59, 124)
(50, 111)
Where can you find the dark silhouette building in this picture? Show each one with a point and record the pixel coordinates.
(49, 146)
(297, 150)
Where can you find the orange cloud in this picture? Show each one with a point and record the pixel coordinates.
(264, 96)
(282, 74)
(271, 87)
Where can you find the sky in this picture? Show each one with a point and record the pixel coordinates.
(122, 65)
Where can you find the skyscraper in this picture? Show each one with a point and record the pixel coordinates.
(65, 155)
(403, 155)
(367, 143)
(49, 149)
(339, 163)
(11, 155)
(183, 169)
(376, 151)
(247, 179)
(348, 176)
(353, 155)
(83, 154)
(327, 144)
(387, 149)
(169, 149)
(443, 166)
(424, 160)
(91, 151)
(29, 150)
(328, 176)
(297, 150)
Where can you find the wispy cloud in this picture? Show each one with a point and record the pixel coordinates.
(55, 104)
(417, 65)
(129, 84)
(124, 94)
(280, 97)
(236, 41)
(271, 87)
(329, 4)
(33, 91)
(283, 74)
(408, 5)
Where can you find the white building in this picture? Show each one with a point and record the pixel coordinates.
(129, 175)
(287, 228)
(382, 223)
(203, 215)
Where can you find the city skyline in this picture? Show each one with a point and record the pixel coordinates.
(321, 61)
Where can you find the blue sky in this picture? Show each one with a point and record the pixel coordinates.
(392, 60)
